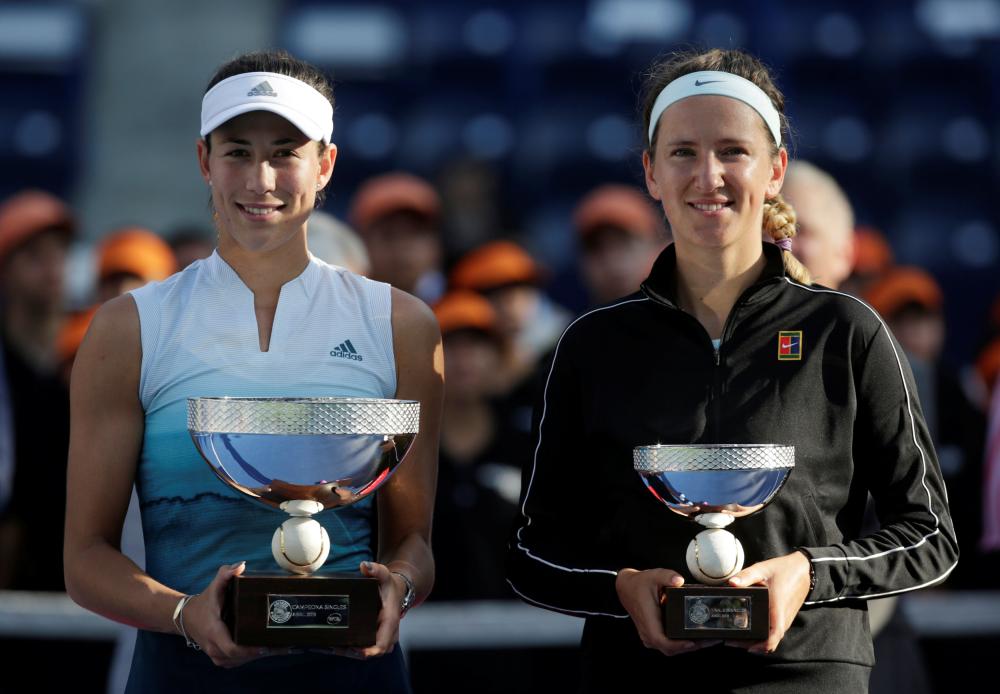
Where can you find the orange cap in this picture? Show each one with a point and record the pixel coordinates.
(28, 213)
(872, 252)
(618, 206)
(496, 264)
(72, 332)
(900, 286)
(988, 363)
(393, 192)
(136, 251)
(460, 309)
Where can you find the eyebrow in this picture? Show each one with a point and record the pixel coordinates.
(723, 141)
(238, 141)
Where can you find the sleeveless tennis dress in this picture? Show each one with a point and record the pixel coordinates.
(332, 336)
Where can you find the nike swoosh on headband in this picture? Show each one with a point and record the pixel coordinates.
(698, 84)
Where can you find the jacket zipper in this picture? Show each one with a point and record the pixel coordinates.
(715, 394)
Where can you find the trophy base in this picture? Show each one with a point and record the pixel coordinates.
(719, 612)
(272, 609)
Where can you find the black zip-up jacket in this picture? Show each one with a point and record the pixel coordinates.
(642, 371)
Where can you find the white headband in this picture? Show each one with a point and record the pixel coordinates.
(716, 83)
(292, 99)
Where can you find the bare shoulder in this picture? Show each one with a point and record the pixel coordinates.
(113, 341)
(413, 322)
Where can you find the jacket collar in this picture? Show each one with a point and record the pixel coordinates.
(661, 285)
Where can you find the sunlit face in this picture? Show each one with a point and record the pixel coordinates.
(264, 176)
(712, 170)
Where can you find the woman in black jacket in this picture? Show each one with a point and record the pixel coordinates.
(729, 342)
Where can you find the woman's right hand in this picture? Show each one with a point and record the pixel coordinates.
(641, 594)
(204, 625)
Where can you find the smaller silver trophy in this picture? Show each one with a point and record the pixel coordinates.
(302, 456)
(714, 485)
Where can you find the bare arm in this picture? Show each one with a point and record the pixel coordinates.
(106, 429)
(406, 501)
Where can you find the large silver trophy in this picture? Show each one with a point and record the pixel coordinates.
(302, 455)
(714, 485)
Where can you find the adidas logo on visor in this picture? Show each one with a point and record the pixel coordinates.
(262, 89)
(345, 350)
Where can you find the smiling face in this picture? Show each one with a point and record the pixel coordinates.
(712, 169)
(264, 175)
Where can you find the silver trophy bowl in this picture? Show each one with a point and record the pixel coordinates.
(303, 455)
(714, 484)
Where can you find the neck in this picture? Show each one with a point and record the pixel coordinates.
(709, 281)
(265, 272)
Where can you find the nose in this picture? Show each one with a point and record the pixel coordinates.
(260, 178)
(709, 173)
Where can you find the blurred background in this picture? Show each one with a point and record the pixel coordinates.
(504, 118)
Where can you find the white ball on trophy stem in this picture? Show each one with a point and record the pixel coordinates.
(300, 545)
(714, 556)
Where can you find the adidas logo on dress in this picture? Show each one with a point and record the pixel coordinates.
(262, 89)
(345, 350)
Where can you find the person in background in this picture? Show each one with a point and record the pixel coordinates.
(990, 543)
(872, 257)
(912, 304)
(528, 321)
(190, 243)
(35, 231)
(127, 259)
(398, 215)
(479, 475)
(825, 239)
(335, 243)
(620, 235)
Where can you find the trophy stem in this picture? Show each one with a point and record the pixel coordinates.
(714, 520)
(301, 545)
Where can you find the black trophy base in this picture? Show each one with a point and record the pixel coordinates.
(716, 612)
(272, 609)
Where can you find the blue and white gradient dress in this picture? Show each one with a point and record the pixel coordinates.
(332, 336)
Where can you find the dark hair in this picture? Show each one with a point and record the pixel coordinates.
(282, 63)
(734, 61)
(779, 217)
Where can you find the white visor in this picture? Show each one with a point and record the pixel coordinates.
(292, 99)
(715, 83)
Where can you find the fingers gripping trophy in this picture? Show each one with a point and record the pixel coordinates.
(302, 456)
(714, 485)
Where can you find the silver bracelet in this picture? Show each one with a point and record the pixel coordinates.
(179, 621)
(409, 597)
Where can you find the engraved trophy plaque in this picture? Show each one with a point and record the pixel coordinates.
(302, 456)
(714, 485)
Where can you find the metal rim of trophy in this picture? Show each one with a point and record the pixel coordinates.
(712, 457)
(303, 416)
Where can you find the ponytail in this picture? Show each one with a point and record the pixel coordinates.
(779, 223)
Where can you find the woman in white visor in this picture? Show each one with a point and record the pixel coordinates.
(260, 317)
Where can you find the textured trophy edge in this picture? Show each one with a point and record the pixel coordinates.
(302, 416)
(719, 457)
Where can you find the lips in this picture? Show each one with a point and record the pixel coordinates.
(710, 207)
(258, 211)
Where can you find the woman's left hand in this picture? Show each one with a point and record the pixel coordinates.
(391, 588)
(787, 580)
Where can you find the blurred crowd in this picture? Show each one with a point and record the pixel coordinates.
(500, 327)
